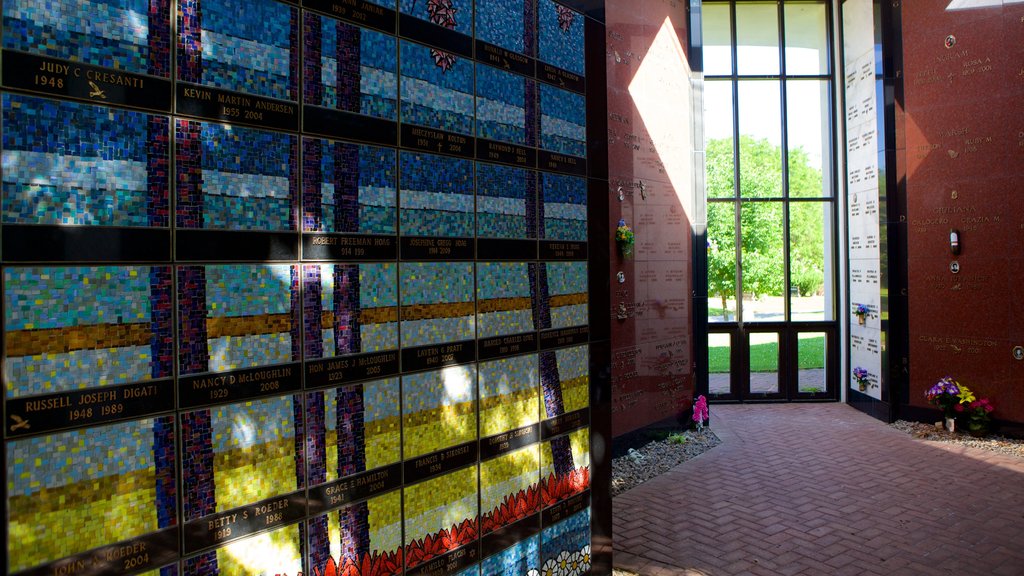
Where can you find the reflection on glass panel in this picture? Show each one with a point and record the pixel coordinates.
(719, 363)
(811, 354)
(717, 39)
(764, 363)
(718, 131)
(809, 138)
(760, 118)
(806, 41)
(757, 38)
(721, 262)
(812, 291)
(763, 268)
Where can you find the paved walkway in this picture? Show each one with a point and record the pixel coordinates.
(821, 489)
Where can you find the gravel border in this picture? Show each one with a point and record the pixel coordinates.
(659, 456)
(932, 433)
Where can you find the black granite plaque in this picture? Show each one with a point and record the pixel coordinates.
(437, 141)
(562, 250)
(32, 243)
(438, 355)
(562, 163)
(564, 337)
(236, 107)
(441, 462)
(451, 563)
(349, 126)
(508, 536)
(566, 508)
(362, 486)
(223, 527)
(232, 246)
(434, 35)
(505, 153)
(430, 248)
(510, 441)
(348, 247)
(141, 554)
(505, 59)
(358, 12)
(348, 369)
(76, 408)
(562, 78)
(227, 387)
(565, 423)
(67, 79)
(502, 346)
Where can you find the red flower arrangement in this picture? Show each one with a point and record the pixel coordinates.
(512, 509)
(441, 543)
(375, 564)
(554, 489)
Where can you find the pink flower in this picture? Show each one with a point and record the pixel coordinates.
(959, 407)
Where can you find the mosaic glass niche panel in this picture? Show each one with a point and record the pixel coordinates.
(438, 409)
(242, 453)
(275, 552)
(570, 380)
(438, 303)
(563, 207)
(509, 488)
(509, 394)
(437, 195)
(565, 466)
(358, 427)
(249, 46)
(364, 539)
(506, 202)
(508, 24)
(348, 188)
(565, 547)
(350, 309)
(440, 515)
(564, 286)
(560, 36)
(129, 35)
(235, 178)
(506, 107)
(74, 491)
(523, 558)
(349, 68)
(505, 297)
(563, 121)
(75, 164)
(235, 316)
(452, 14)
(436, 88)
(85, 327)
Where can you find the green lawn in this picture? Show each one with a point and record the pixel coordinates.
(764, 357)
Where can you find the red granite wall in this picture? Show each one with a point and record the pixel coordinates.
(651, 188)
(964, 167)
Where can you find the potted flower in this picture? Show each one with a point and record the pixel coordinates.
(948, 394)
(624, 239)
(979, 416)
(861, 376)
(861, 312)
(700, 412)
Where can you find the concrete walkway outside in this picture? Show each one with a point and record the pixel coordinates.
(821, 489)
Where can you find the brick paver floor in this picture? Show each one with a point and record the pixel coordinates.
(821, 489)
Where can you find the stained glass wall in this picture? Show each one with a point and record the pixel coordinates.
(295, 287)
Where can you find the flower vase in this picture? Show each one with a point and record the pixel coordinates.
(860, 319)
(950, 424)
(626, 249)
(863, 387)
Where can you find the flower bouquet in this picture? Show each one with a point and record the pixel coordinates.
(949, 395)
(624, 239)
(861, 376)
(861, 312)
(700, 412)
(979, 416)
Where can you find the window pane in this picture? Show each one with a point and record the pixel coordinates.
(719, 364)
(760, 119)
(757, 38)
(721, 262)
(763, 268)
(717, 39)
(807, 114)
(718, 132)
(810, 261)
(806, 43)
(811, 354)
(764, 363)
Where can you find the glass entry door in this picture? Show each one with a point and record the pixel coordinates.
(772, 362)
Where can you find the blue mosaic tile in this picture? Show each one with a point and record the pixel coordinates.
(129, 35)
(235, 178)
(349, 188)
(508, 24)
(560, 36)
(249, 46)
(501, 105)
(66, 163)
(563, 121)
(437, 302)
(565, 547)
(506, 202)
(436, 92)
(521, 559)
(350, 309)
(452, 14)
(505, 295)
(350, 68)
(436, 195)
(564, 207)
(85, 327)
